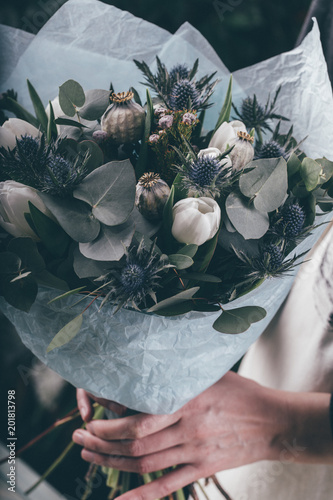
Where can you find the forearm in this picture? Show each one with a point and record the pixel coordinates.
(304, 434)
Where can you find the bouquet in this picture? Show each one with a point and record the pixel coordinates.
(151, 228)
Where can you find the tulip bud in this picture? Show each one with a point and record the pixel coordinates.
(195, 220)
(14, 198)
(15, 128)
(226, 135)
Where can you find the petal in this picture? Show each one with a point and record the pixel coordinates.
(20, 128)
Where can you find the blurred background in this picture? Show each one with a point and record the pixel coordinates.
(242, 32)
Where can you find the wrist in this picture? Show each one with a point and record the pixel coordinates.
(302, 431)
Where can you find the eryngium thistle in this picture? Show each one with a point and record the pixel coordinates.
(184, 95)
(253, 114)
(290, 223)
(179, 72)
(271, 258)
(137, 279)
(271, 149)
(205, 176)
(42, 166)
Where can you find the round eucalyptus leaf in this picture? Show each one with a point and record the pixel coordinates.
(110, 191)
(247, 220)
(310, 172)
(88, 268)
(71, 96)
(180, 261)
(293, 165)
(327, 170)
(74, 216)
(97, 101)
(238, 320)
(266, 184)
(10, 263)
(142, 225)
(110, 244)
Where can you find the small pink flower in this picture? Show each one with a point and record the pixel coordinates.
(189, 118)
(154, 138)
(166, 121)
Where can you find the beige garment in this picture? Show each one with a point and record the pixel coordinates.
(295, 353)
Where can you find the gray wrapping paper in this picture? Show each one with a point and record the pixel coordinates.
(146, 362)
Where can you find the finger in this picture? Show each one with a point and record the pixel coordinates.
(141, 465)
(110, 405)
(84, 404)
(167, 438)
(132, 427)
(165, 485)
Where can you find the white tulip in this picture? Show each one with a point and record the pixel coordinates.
(226, 135)
(14, 198)
(15, 128)
(195, 220)
(214, 153)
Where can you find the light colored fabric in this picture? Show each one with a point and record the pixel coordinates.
(295, 353)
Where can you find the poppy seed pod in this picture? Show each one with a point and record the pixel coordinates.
(124, 119)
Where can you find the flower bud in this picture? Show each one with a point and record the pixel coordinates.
(15, 128)
(226, 135)
(243, 151)
(165, 121)
(14, 198)
(195, 220)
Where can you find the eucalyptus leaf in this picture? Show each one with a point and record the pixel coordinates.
(266, 183)
(27, 250)
(95, 105)
(293, 164)
(52, 235)
(175, 300)
(180, 261)
(190, 250)
(110, 244)
(234, 321)
(22, 293)
(67, 333)
(142, 225)
(110, 191)
(10, 263)
(71, 96)
(88, 268)
(327, 169)
(38, 106)
(20, 276)
(247, 220)
(46, 278)
(310, 172)
(74, 216)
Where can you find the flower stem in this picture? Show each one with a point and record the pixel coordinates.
(219, 487)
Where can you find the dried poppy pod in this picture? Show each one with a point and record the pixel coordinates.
(151, 195)
(124, 119)
(243, 151)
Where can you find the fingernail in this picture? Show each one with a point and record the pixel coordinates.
(84, 412)
(78, 437)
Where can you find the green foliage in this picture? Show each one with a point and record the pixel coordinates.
(71, 96)
(234, 321)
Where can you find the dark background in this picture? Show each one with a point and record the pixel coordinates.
(242, 32)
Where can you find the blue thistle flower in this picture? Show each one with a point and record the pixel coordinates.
(179, 72)
(184, 95)
(42, 166)
(271, 257)
(137, 279)
(271, 149)
(205, 176)
(289, 223)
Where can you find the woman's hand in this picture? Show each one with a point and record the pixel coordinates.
(232, 423)
(84, 402)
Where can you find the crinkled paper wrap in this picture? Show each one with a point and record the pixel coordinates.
(146, 362)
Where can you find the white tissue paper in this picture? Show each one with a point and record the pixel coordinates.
(146, 362)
